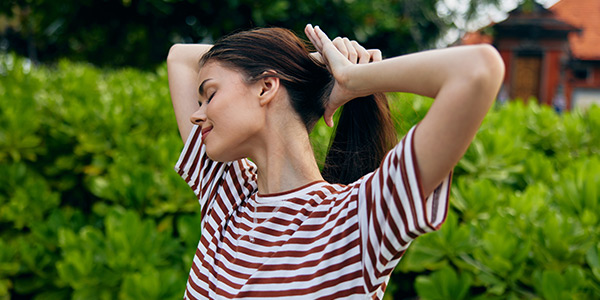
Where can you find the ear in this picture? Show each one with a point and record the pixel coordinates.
(268, 88)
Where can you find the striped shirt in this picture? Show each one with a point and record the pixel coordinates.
(318, 241)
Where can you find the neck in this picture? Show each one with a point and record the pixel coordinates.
(285, 160)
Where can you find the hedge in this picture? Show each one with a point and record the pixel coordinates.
(90, 207)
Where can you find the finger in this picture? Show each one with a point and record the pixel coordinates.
(316, 40)
(338, 42)
(363, 55)
(331, 54)
(328, 117)
(312, 36)
(352, 55)
(375, 55)
(322, 37)
(317, 56)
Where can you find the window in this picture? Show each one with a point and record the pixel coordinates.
(581, 73)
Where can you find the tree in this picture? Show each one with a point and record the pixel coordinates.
(139, 33)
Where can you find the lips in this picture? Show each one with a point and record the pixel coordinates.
(205, 131)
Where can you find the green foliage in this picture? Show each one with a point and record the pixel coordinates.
(89, 204)
(91, 209)
(443, 284)
(524, 212)
(139, 33)
(131, 259)
(570, 284)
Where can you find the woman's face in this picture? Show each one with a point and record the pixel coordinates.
(229, 114)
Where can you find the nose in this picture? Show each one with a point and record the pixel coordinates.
(199, 115)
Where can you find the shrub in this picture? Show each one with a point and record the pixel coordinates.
(523, 222)
(89, 204)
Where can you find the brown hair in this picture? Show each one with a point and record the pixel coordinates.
(364, 132)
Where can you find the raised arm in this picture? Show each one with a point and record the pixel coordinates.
(463, 80)
(183, 68)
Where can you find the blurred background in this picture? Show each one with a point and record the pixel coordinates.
(138, 33)
(90, 207)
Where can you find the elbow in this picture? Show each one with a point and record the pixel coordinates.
(487, 69)
(493, 62)
(174, 54)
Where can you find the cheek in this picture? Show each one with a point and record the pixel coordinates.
(228, 139)
(238, 116)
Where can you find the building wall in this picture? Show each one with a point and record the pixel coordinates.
(553, 55)
(551, 76)
(584, 92)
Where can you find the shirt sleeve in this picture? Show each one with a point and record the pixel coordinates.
(393, 211)
(210, 179)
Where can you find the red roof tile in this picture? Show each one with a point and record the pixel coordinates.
(584, 14)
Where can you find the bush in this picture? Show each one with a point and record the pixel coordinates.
(91, 209)
(89, 204)
(524, 218)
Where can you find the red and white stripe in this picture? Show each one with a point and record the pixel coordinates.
(319, 241)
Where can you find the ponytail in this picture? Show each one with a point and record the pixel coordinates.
(363, 135)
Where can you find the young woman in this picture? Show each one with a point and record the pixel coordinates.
(272, 227)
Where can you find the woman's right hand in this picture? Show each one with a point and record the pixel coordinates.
(340, 55)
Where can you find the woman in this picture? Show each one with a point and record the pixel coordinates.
(272, 227)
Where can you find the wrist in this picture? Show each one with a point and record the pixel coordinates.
(355, 83)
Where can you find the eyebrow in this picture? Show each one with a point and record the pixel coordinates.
(201, 87)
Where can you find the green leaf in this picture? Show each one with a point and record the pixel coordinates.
(434, 250)
(443, 284)
(593, 260)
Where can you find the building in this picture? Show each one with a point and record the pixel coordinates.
(583, 69)
(551, 55)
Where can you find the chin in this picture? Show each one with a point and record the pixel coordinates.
(219, 155)
(214, 155)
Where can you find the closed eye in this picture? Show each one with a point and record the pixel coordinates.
(207, 100)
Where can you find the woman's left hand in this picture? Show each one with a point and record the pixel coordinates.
(340, 55)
